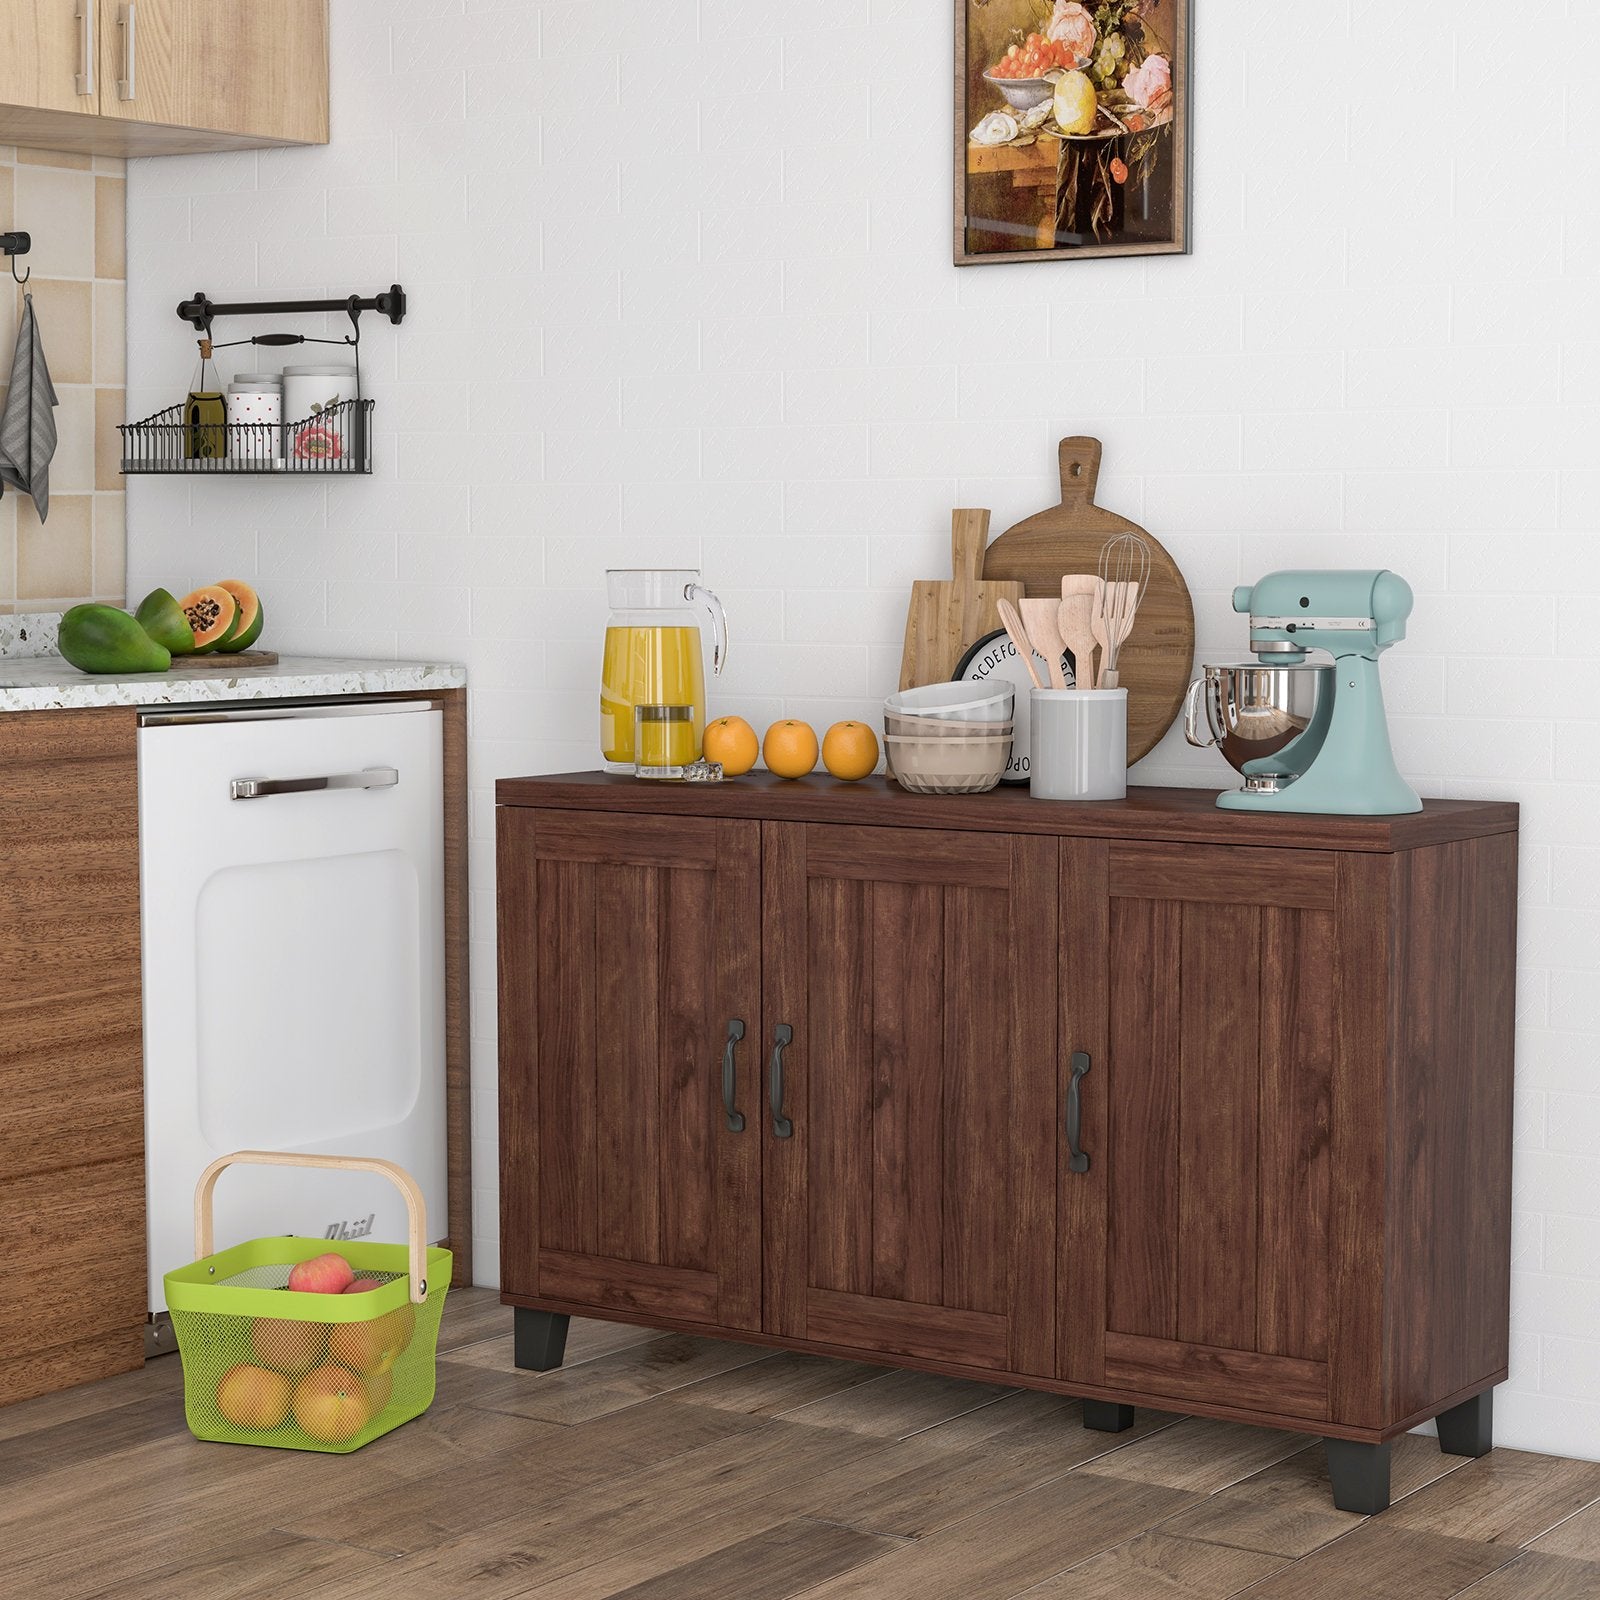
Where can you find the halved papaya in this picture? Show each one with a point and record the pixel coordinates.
(251, 616)
(213, 616)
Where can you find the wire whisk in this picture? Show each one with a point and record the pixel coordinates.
(1124, 580)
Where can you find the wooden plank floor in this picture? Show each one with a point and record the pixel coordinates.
(659, 1467)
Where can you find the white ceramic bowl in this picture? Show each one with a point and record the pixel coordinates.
(1023, 94)
(958, 702)
(943, 727)
(947, 766)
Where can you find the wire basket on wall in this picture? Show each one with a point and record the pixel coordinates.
(336, 440)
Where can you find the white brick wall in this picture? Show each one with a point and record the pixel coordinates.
(680, 294)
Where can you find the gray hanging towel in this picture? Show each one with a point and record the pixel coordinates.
(28, 424)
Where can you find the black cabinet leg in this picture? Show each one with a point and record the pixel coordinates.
(1106, 1416)
(1360, 1474)
(539, 1339)
(1468, 1429)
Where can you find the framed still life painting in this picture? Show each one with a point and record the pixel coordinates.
(1072, 129)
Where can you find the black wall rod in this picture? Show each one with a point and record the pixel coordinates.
(200, 310)
(15, 244)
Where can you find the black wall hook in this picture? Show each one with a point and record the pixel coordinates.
(14, 245)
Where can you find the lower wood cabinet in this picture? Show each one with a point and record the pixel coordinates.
(1145, 1103)
(72, 1293)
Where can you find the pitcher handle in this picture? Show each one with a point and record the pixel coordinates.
(1191, 716)
(719, 624)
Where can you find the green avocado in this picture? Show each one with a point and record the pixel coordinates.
(103, 639)
(161, 616)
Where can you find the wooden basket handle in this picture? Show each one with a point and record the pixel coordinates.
(410, 1189)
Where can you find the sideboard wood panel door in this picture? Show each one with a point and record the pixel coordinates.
(623, 1186)
(1213, 1013)
(910, 1202)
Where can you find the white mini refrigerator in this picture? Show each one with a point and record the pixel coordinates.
(292, 917)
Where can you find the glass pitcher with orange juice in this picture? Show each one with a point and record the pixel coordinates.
(653, 654)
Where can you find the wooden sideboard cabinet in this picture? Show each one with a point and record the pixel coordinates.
(1145, 1103)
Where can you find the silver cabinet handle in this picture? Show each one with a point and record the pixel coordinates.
(128, 21)
(86, 46)
(261, 788)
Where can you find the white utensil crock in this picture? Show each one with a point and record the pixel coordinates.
(1078, 743)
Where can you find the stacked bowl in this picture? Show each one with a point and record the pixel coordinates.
(949, 738)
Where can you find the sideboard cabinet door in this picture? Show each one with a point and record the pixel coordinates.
(629, 945)
(1225, 1121)
(910, 1184)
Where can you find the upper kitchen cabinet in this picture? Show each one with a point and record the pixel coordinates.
(257, 68)
(47, 57)
(164, 77)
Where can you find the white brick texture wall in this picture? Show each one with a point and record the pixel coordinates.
(681, 294)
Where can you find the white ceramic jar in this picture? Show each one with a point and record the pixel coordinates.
(255, 418)
(310, 393)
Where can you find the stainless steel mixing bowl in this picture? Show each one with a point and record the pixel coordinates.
(1255, 713)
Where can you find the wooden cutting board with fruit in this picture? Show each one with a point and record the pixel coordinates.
(947, 616)
(1158, 658)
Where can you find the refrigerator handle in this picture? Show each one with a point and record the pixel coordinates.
(263, 788)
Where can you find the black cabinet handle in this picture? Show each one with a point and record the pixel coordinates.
(1077, 1161)
(782, 1038)
(729, 1108)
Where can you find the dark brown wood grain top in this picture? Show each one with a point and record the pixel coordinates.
(1182, 815)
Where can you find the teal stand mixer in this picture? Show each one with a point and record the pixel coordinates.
(1309, 736)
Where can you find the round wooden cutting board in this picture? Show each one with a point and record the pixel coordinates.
(1158, 658)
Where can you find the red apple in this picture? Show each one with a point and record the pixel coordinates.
(329, 1274)
(331, 1404)
(361, 1285)
(253, 1398)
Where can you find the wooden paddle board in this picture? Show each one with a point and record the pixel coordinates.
(947, 618)
(1158, 658)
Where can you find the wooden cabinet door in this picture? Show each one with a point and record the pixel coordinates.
(910, 1208)
(1231, 1113)
(253, 67)
(73, 1298)
(628, 944)
(42, 44)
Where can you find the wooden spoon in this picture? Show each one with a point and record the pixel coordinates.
(1043, 620)
(1079, 596)
(1019, 638)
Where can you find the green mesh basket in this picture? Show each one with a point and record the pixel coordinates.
(265, 1364)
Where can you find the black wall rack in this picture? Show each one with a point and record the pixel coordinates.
(199, 311)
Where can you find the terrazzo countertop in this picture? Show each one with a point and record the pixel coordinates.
(34, 678)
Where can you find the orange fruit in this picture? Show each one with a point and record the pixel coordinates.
(850, 750)
(369, 1347)
(332, 1404)
(731, 741)
(253, 1398)
(291, 1347)
(790, 749)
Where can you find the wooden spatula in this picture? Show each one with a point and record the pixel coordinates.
(1080, 595)
(1042, 619)
(947, 617)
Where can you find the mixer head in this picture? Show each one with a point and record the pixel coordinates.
(1344, 613)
